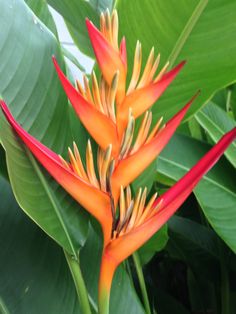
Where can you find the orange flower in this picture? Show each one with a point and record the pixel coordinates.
(138, 221)
(104, 109)
(103, 190)
(108, 112)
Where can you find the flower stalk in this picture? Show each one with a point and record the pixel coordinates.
(142, 284)
(107, 270)
(79, 283)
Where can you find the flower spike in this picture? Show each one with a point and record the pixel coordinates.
(77, 186)
(142, 222)
(141, 158)
(141, 99)
(110, 59)
(101, 128)
(167, 204)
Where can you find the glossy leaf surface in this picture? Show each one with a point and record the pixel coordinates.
(74, 13)
(216, 123)
(29, 84)
(215, 193)
(201, 32)
(34, 274)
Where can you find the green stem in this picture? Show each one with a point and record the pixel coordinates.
(79, 283)
(103, 302)
(139, 271)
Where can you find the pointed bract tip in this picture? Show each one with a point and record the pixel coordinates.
(54, 60)
(181, 64)
(186, 107)
(195, 96)
(87, 22)
(5, 109)
(178, 67)
(90, 25)
(58, 69)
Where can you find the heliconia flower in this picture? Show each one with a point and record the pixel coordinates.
(144, 96)
(143, 89)
(84, 185)
(97, 111)
(145, 149)
(137, 222)
(133, 156)
(110, 60)
(108, 112)
(104, 109)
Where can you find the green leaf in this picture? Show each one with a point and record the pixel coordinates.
(72, 58)
(195, 129)
(29, 84)
(196, 245)
(202, 292)
(41, 198)
(146, 178)
(201, 32)
(198, 238)
(220, 98)
(74, 13)
(216, 123)
(40, 8)
(3, 166)
(123, 296)
(215, 193)
(165, 303)
(154, 245)
(34, 275)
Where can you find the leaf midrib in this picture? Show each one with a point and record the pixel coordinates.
(51, 197)
(187, 169)
(212, 123)
(186, 31)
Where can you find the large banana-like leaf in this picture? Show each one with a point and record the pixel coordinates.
(216, 122)
(34, 276)
(216, 193)
(40, 8)
(201, 32)
(154, 245)
(74, 13)
(30, 86)
(196, 245)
